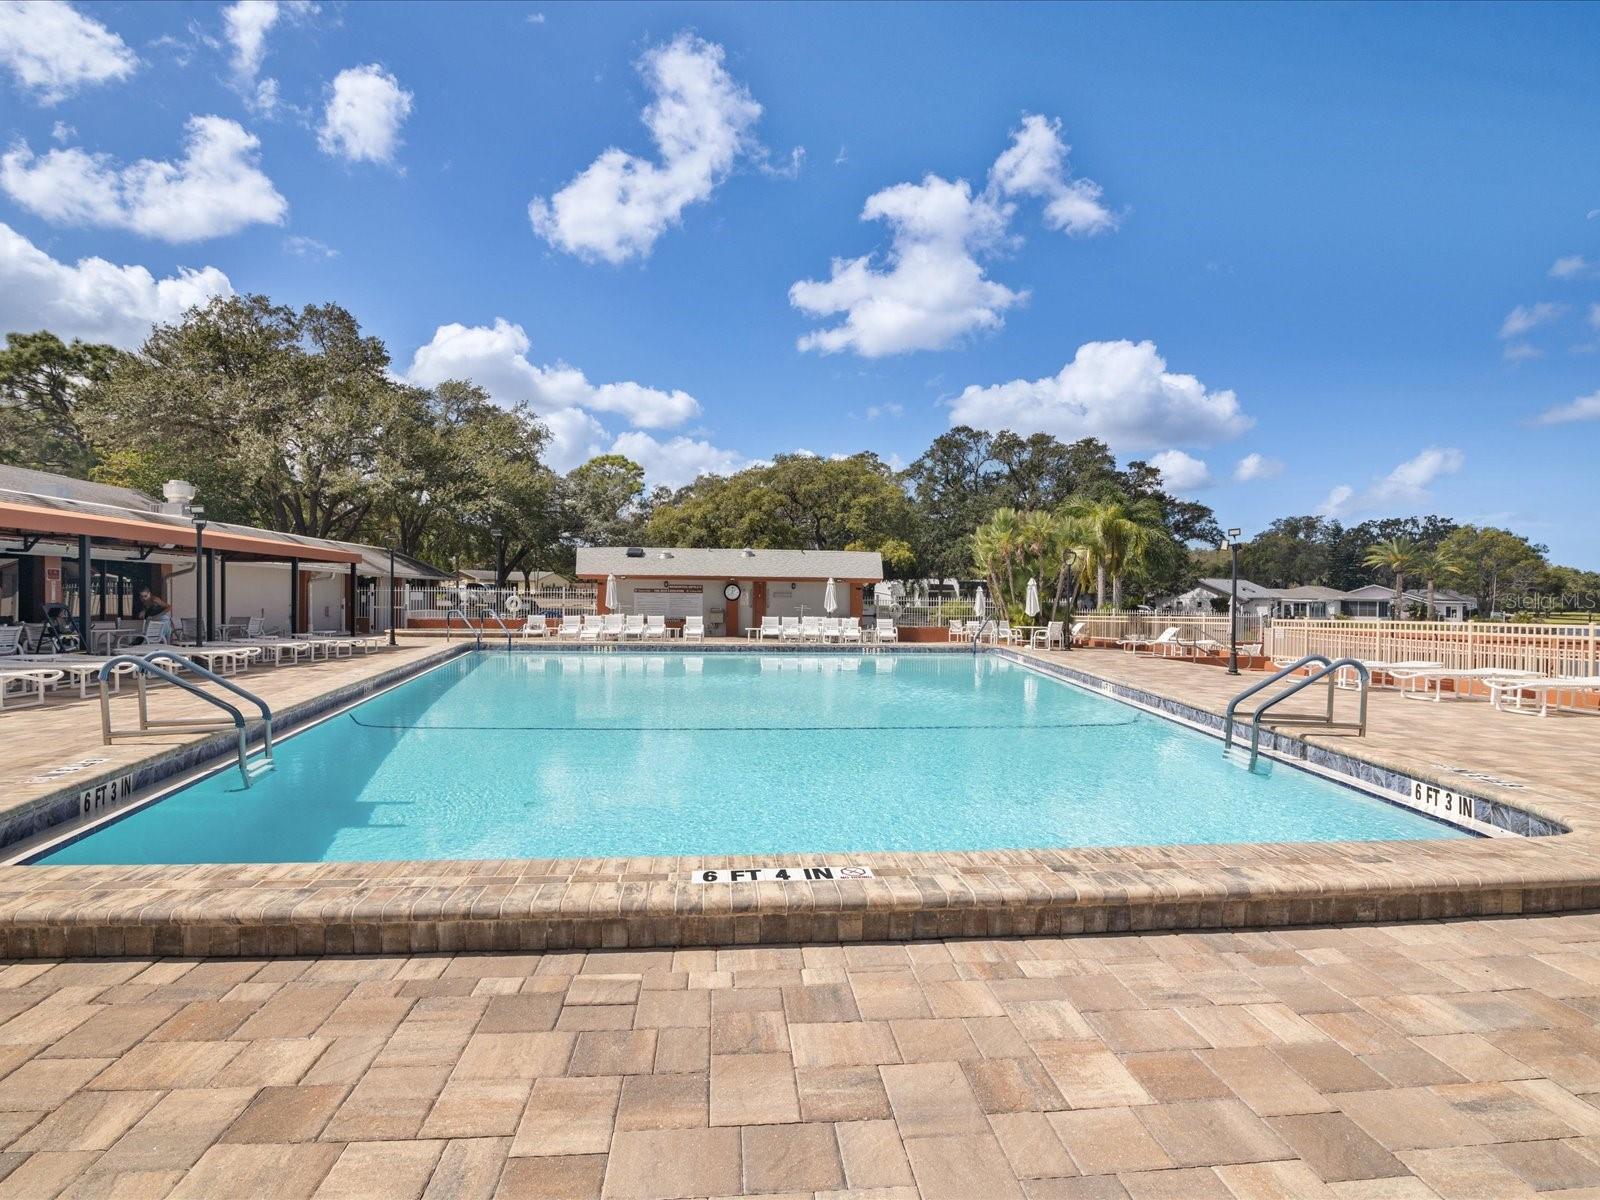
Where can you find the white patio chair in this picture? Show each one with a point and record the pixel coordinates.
(694, 629)
(1002, 633)
(571, 625)
(613, 627)
(770, 628)
(832, 629)
(633, 626)
(11, 641)
(535, 626)
(789, 629)
(1050, 635)
(592, 628)
(884, 631)
(1425, 680)
(850, 629)
(1164, 646)
(810, 629)
(958, 631)
(655, 627)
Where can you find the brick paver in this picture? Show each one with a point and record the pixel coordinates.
(1349, 1063)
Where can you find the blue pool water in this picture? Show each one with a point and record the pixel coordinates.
(557, 755)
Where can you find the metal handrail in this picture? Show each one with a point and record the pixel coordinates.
(1227, 716)
(977, 638)
(489, 612)
(476, 630)
(145, 666)
(1329, 672)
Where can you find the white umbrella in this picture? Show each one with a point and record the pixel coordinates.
(1031, 604)
(830, 599)
(611, 593)
(882, 595)
(979, 605)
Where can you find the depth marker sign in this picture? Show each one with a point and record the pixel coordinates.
(779, 874)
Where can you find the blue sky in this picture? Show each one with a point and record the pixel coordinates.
(1362, 244)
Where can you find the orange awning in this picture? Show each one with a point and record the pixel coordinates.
(27, 518)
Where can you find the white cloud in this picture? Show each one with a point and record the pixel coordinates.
(700, 120)
(1520, 352)
(874, 411)
(1181, 472)
(1525, 318)
(1120, 392)
(1256, 466)
(1584, 408)
(246, 24)
(308, 247)
(932, 290)
(1594, 315)
(62, 132)
(1035, 164)
(54, 50)
(1573, 266)
(496, 358)
(1407, 484)
(93, 299)
(366, 108)
(678, 461)
(217, 188)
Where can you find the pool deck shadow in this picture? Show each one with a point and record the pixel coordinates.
(1544, 769)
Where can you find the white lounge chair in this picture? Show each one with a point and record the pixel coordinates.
(1507, 695)
(81, 671)
(11, 641)
(850, 629)
(633, 626)
(810, 629)
(1422, 680)
(655, 627)
(694, 629)
(884, 630)
(26, 680)
(612, 630)
(154, 633)
(958, 631)
(770, 628)
(1004, 633)
(279, 648)
(1164, 646)
(535, 626)
(831, 629)
(571, 625)
(593, 627)
(789, 629)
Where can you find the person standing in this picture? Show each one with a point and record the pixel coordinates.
(153, 607)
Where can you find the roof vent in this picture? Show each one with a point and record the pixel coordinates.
(179, 495)
(666, 554)
(635, 551)
(747, 552)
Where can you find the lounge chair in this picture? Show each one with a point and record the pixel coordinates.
(571, 625)
(27, 679)
(770, 628)
(332, 645)
(535, 626)
(655, 627)
(633, 626)
(1004, 633)
(279, 648)
(1051, 634)
(694, 629)
(810, 629)
(1137, 642)
(81, 671)
(884, 630)
(850, 629)
(11, 641)
(789, 629)
(832, 628)
(592, 629)
(612, 629)
(1507, 694)
(958, 632)
(1164, 646)
(153, 634)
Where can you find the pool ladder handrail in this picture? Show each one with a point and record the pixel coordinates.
(977, 638)
(475, 630)
(1328, 670)
(145, 666)
(504, 628)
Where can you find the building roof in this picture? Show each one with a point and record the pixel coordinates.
(43, 483)
(658, 562)
(1309, 591)
(1247, 589)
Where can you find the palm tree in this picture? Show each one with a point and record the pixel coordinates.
(996, 546)
(1073, 551)
(1122, 540)
(1400, 555)
(1441, 565)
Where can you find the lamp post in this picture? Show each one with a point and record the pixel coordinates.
(1233, 605)
(390, 601)
(499, 536)
(1070, 565)
(197, 514)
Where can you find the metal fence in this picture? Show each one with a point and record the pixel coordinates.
(431, 602)
(1548, 649)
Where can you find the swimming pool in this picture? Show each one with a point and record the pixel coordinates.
(555, 755)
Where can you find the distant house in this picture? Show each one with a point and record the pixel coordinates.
(533, 581)
(1313, 602)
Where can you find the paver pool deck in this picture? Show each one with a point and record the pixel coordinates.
(1546, 767)
(1373, 1062)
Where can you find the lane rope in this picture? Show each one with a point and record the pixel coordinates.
(741, 728)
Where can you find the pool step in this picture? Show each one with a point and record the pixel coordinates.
(255, 768)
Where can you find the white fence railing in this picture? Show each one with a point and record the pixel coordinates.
(432, 602)
(1114, 626)
(1548, 649)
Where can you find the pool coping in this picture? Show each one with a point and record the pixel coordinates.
(584, 903)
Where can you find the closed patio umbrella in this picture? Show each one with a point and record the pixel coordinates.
(980, 606)
(1031, 604)
(830, 598)
(611, 593)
